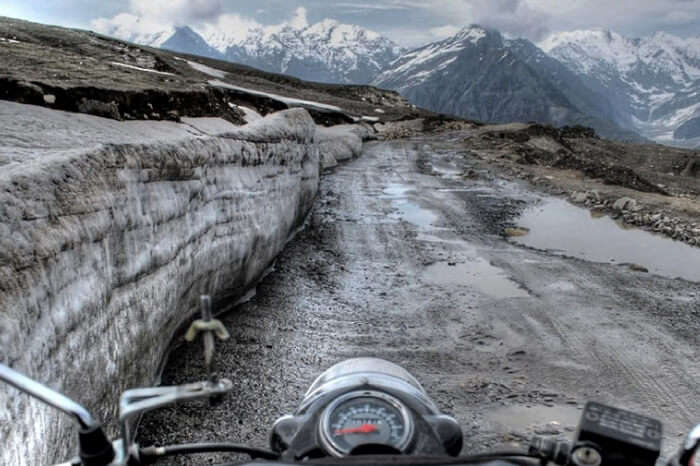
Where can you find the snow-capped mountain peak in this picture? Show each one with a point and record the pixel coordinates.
(602, 45)
(325, 51)
(473, 33)
(652, 81)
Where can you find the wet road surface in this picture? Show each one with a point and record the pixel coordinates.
(402, 259)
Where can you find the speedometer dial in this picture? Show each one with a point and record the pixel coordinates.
(365, 417)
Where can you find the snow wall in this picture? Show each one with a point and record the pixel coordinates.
(109, 233)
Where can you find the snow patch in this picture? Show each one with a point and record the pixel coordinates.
(287, 100)
(337, 143)
(208, 70)
(249, 114)
(138, 68)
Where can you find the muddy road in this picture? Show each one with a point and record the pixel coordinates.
(403, 259)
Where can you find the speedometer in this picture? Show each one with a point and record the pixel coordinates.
(365, 417)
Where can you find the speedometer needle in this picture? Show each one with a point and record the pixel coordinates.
(363, 429)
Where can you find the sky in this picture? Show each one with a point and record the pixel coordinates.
(407, 22)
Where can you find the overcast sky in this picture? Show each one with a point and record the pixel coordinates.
(408, 22)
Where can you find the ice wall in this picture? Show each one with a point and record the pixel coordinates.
(110, 231)
(341, 143)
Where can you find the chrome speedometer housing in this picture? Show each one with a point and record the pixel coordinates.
(389, 421)
(365, 406)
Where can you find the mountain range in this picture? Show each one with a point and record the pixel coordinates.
(653, 83)
(481, 75)
(624, 88)
(327, 51)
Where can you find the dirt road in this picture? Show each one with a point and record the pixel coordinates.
(403, 259)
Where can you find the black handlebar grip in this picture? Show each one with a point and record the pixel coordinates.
(95, 447)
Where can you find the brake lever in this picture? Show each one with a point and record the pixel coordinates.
(135, 402)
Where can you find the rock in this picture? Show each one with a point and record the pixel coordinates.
(29, 93)
(50, 99)
(512, 232)
(99, 108)
(691, 167)
(635, 267)
(579, 197)
(172, 115)
(625, 203)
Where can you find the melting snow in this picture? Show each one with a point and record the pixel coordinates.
(138, 68)
(208, 70)
(474, 35)
(249, 114)
(682, 115)
(421, 56)
(287, 100)
(11, 41)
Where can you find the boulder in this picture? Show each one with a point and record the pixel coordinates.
(625, 203)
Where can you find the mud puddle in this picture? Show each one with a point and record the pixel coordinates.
(431, 238)
(536, 419)
(446, 170)
(565, 229)
(476, 272)
(405, 208)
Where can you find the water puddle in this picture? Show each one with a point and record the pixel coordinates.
(428, 238)
(446, 170)
(395, 190)
(563, 228)
(407, 210)
(524, 419)
(413, 213)
(478, 273)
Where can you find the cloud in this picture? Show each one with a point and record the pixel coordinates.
(521, 18)
(130, 27)
(177, 11)
(413, 22)
(534, 19)
(153, 21)
(227, 28)
(299, 20)
(679, 17)
(360, 7)
(443, 32)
